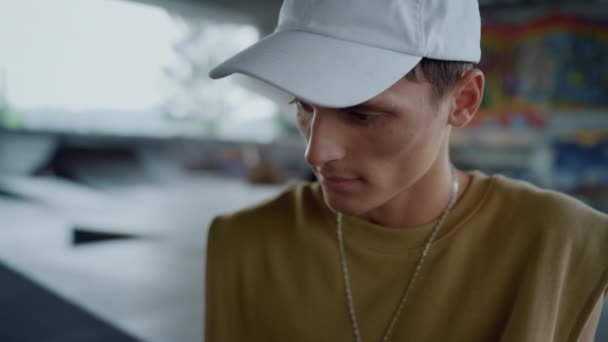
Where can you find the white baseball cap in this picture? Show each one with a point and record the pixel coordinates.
(340, 53)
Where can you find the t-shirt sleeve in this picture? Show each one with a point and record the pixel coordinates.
(213, 281)
(604, 258)
(208, 287)
(604, 247)
(221, 303)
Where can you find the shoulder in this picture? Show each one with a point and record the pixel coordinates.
(291, 201)
(271, 217)
(554, 225)
(545, 205)
(554, 216)
(258, 236)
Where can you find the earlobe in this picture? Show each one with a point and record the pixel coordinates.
(460, 118)
(468, 94)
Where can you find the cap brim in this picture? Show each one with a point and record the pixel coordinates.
(319, 69)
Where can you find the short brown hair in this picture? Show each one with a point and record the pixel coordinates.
(442, 75)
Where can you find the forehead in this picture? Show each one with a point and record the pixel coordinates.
(406, 90)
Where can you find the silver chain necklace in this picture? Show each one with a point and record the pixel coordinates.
(425, 251)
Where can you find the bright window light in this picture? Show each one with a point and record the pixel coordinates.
(120, 67)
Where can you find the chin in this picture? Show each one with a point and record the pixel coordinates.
(346, 205)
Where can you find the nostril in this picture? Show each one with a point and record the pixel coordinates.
(320, 151)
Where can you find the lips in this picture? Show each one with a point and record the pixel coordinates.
(337, 183)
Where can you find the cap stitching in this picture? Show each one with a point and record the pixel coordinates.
(421, 37)
(290, 28)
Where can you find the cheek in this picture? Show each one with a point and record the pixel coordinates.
(400, 153)
(391, 143)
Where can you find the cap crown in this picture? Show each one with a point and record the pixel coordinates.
(438, 29)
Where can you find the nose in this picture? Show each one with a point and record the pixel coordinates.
(323, 139)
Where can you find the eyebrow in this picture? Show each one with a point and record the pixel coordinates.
(362, 106)
(367, 105)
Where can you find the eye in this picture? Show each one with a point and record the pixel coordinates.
(361, 117)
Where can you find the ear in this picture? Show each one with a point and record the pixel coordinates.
(466, 97)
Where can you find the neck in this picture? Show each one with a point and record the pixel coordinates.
(421, 203)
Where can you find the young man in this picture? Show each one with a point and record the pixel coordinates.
(393, 243)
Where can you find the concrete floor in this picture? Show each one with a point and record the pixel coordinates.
(150, 287)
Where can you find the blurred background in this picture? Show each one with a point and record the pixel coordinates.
(116, 150)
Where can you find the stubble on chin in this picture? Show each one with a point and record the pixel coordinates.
(338, 206)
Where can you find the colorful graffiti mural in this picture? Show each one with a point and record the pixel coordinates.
(556, 62)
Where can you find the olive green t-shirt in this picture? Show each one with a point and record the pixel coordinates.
(511, 263)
